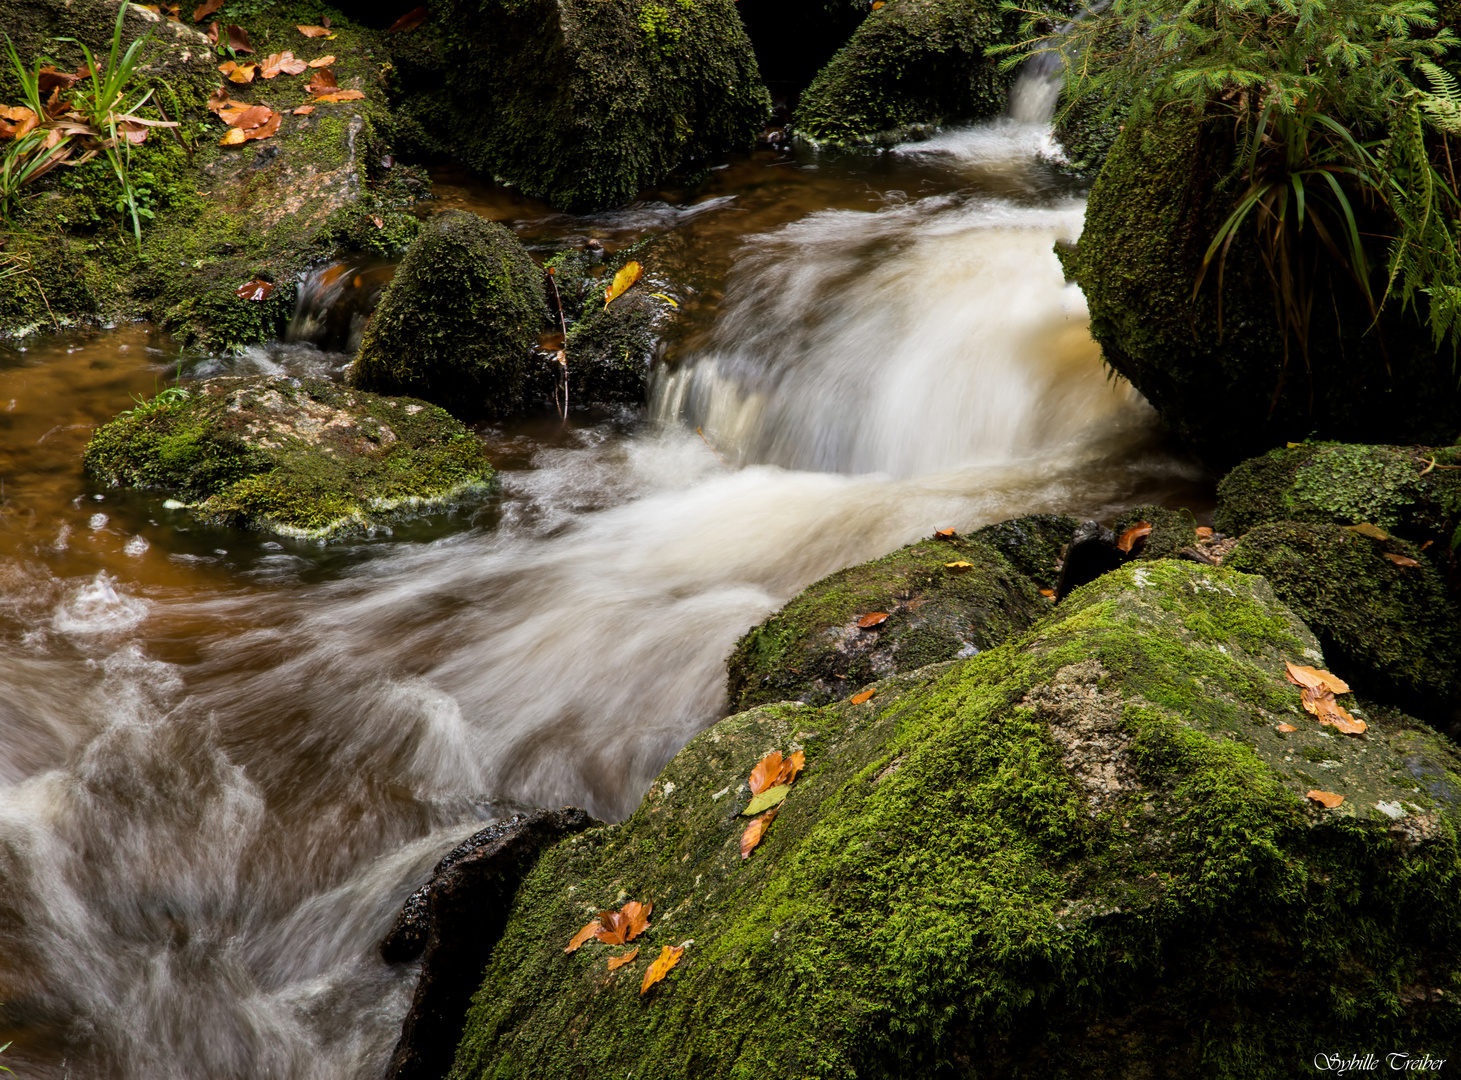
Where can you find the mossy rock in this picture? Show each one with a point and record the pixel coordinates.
(299, 457)
(1394, 487)
(1391, 630)
(1223, 377)
(813, 650)
(1172, 530)
(911, 63)
(588, 101)
(1033, 544)
(1086, 853)
(458, 322)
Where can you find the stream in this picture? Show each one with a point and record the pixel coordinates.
(226, 758)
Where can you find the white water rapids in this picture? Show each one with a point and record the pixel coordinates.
(213, 800)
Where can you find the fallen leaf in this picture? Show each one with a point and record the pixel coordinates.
(877, 4)
(322, 61)
(1364, 528)
(1140, 531)
(1286, 728)
(377, 222)
(239, 73)
(623, 926)
(257, 122)
(945, 534)
(342, 95)
(213, 33)
(258, 289)
(1320, 701)
(284, 62)
(16, 121)
(237, 114)
(764, 774)
(315, 31)
(766, 800)
(866, 695)
(408, 22)
(238, 39)
(790, 766)
(1049, 594)
(132, 131)
(1204, 533)
(1327, 798)
(628, 274)
(1303, 675)
(755, 832)
(871, 619)
(321, 82)
(669, 956)
(616, 962)
(233, 137)
(638, 917)
(1401, 560)
(48, 78)
(304, 110)
(208, 7)
(583, 935)
(958, 566)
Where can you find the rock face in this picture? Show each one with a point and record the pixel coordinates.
(1231, 386)
(1033, 544)
(1086, 852)
(910, 63)
(301, 457)
(813, 649)
(457, 324)
(590, 100)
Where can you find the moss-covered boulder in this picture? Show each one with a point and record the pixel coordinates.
(588, 101)
(1224, 377)
(300, 457)
(1033, 544)
(911, 63)
(1389, 628)
(1087, 853)
(943, 599)
(458, 322)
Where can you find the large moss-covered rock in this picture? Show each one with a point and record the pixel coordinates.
(1227, 382)
(1389, 628)
(458, 322)
(1087, 853)
(1033, 544)
(301, 457)
(814, 650)
(910, 63)
(587, 101)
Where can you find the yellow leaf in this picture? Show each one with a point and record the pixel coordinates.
(1364, 528)
(627, 276)
(616, 962)
(234, 137)
(958, 566)
(669, 956)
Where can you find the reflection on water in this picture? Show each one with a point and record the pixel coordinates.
(225, 758)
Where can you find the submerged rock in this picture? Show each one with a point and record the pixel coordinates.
(813, 649)
(908, 64)
(1088, 852)
(457, 324)
(300, 457)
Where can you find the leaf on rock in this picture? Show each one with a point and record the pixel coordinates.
(321, 61)
(638, 915)
(1286, 728)
(790, 766)
(958, 566)
(255, 122)
(1320, 701)
(16, 121)
(583, 935)
(755, 832)
(1128, 540)
(1303, 675)
(866, 695)
(764, 774)
(258, 289)
(285, 63)
(48, 78)
(613, 928)
(304, 110)
(616, 962)
(315, 31)
(1204, 533)
(239, 73)
(1049, 594)
(1401, 560)
(766, 800)
(322, 81)
(871, 619)
(669, 956)
(1325, 798)
(1364, 528)
(342, 95)
(628, 274)
(408, 22)
(208, 7)
(238, 39)
(945, 534)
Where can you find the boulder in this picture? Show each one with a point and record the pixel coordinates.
(908, 65)
(1033, 544)
(457, 324)
(299, 457)
(590, 101)
(1087, 852)
(943, 599)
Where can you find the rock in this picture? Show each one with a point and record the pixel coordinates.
(1087, 852)
(457, 323)
(453, 921)
(1033, 544)
(1232, 388)
(591, 101)
(1095, 550)
(300, 457)
(1391, 631)
(813, 650)
(1091, 553)
(910, 64)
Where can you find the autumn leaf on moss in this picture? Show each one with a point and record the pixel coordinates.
(1401, 560)
(239, 73)
(866, 695)
(285, 62)
(583, 935)
(755, 832)
(1303, 675)
(958, 566)
(871, 619)
(1129, 539)
(322, 81)
(628, 274)
(772, 796)
(1364, 528)
(615, 927)
(1286, 728)
(669, 956)
(315, 32)
(238, 39)
(1325, 798)
(945, 534)
(258, 289)
(321, 61)
(764, 774)
(616, 962)
(16, 121)
(206, 9)
(342, 95)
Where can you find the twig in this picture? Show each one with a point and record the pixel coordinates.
(713, 450)
(563, 352)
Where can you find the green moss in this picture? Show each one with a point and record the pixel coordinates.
(300, 457)
(1033, 544)
(911, 62)
(1058, 859)
(813, 650)
(1172, 530)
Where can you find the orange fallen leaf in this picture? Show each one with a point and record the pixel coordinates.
(583, 935)
(314, 31)
(48, 78)
(1401, 560)
(1320, 701)
(1303, 675)
(208, 7)
(408, 22)
(790, 766)
(1326, 798)
(238, 39)
(286, 63)
(239, 73)
(669, 956)
(321, 82)
(628, 274)
(304, 110)
(258, 289)
(1203, 532)
(321, 61)
(1049, 594)
(755, 832)
(945, 534)
(1286, 728)
(237, 114)
(342, 95)
(764, 775)
(958, 566)
(878, 4)
(638, 917)
(623, 926)
(16, 121)
(871, 619)
(616, 962)
(866, 695)
(1140, 531)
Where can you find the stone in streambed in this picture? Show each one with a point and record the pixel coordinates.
(300, 457)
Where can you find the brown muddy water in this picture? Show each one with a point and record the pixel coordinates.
(226, 758)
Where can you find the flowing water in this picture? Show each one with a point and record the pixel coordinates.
(226, 759)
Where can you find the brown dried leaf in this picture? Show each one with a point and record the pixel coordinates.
(342, 95)
(321, 82)
(871, 619)
(1364, 528)
(790, 766)
(321, 61)
(638, 916)
(669, 956)
(755, 832)
(245, 116)
(239, 73)
(315, 31)
(866, 695)
(208, 7)
(764, 774)
(1204, 533)
(1401, 560)
(1286, 728)
(258, 289)
(616, 962)
(304, 110)
(238, 39)
(1303, 675)
(285, 63)
(1128, 540)
(1325, 798)
(945, 534)
(16, 121)
(613, 927)
(408, 22)
(583, 935)
(48, 78)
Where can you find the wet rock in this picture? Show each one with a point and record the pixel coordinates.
(457, 323)
(301, 457)
(1090, 553)
(1033, 544)
(1068, 854)
(453, 921)
(910, 64)
(813, 649)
